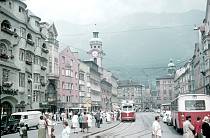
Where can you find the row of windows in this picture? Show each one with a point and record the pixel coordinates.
(64, 60)
(28, 56)
(22, 77)
(95, 46)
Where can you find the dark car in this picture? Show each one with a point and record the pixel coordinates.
(9, 125)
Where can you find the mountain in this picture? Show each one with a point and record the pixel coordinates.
(136, 41)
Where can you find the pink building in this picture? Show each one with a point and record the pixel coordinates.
(68, 95)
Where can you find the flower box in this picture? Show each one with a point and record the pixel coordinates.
(7, 30)
(28, 62)
(43, 68)
(30, 42)
(7, 84)
(45, 50)
(4, 56)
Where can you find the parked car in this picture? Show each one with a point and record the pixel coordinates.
(30, 118)
(9, 125)
(169, 120)
(165, 116)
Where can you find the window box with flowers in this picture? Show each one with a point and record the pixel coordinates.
(7, 84)
(7, 30)
(45, 50)
(30, 42)
(28, 62)
(43, 68)
(4, 56)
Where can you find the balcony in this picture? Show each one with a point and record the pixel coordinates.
(4, 56)
(30, 42)
(43, 67)
(45, 50)
(7, 30)
(28, 62)
(7, 84)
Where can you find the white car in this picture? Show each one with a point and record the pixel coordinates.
(166, 115)
(30, 118)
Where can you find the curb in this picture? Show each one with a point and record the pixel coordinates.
(101, 130)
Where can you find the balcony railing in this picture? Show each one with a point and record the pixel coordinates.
(4, 56)
(30, 42)
(7, 30)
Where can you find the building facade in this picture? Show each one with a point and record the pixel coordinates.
(183, 80)
(106, 95)
(95, 88)
(130, 90)
(165, 86)
(23, 58)
(84, 86)
(68, 95)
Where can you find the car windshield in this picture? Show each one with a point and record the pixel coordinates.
(15, 117)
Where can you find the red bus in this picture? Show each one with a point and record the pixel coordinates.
(193, 105)
(128, 112)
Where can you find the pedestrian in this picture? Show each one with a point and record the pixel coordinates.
(70, 115)
(85, 122)
(108, 117)
(118, 114)
(156, 128)
(23, 130)
(75, 123)
(80, 118)
(198, 127)
(206, 127)
(98, 118)
(42, 128)
(62, 116)
(49, 125)
(66, 131)
(90, 120)
(188, 128)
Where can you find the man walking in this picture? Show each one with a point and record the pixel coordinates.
(156, 128)
(188, 128)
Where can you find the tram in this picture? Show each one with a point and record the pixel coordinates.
(128, 111)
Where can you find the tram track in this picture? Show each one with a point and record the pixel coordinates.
(124, 130)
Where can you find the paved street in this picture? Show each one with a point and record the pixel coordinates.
(140, 128)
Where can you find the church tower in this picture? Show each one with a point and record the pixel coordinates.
(96, 50)
(171, 68)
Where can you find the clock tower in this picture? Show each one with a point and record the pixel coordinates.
(96, 51)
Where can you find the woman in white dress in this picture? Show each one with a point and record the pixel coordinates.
(90, 120)
(66, 131)
(42, 128)
(75, 123)
(49, 125)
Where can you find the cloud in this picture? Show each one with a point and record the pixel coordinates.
(93, 11)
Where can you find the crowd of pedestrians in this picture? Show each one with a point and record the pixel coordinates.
(198, 129)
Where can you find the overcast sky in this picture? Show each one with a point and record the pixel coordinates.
(93, 11)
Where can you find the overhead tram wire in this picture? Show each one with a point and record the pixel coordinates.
(132, 30)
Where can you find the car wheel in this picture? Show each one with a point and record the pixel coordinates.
(2, 132)
(15, 129)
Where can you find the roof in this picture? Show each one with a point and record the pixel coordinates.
(125, 83)
(168, 76)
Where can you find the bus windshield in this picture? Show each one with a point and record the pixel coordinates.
(194, 105)
(127, 108)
